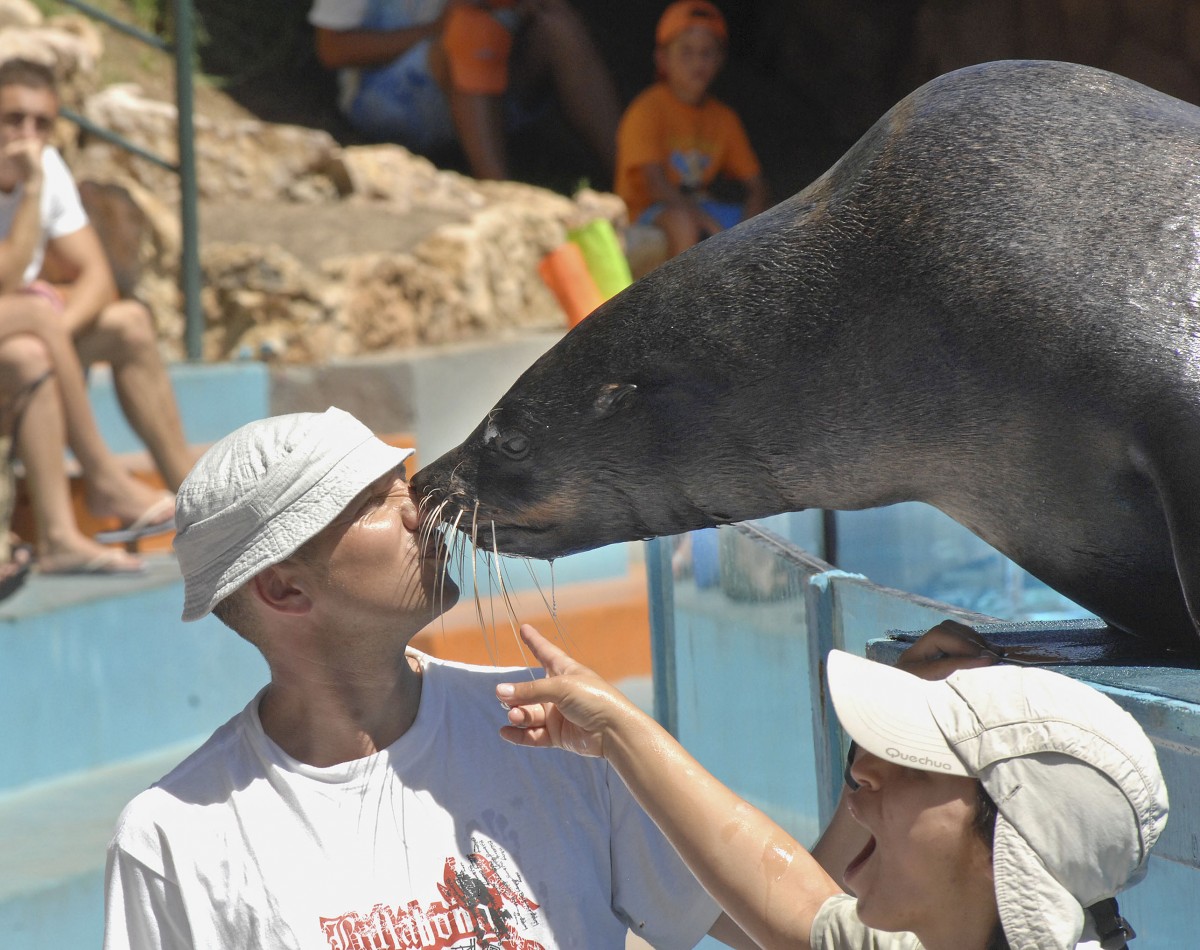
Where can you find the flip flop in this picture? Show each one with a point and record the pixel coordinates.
(107, 564)
(144, 526)
(21, 563)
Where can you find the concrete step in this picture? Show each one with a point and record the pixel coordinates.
(54, 839)
(97, 670)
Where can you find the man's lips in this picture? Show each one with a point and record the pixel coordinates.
(860, 859)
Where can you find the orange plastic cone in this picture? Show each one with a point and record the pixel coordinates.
(566, 274)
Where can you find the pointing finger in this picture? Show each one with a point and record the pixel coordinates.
(552, 658)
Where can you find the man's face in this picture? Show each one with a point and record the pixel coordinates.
(371, 562)
(26, 114)
(26, 121)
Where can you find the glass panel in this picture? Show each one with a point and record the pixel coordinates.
(740, 654)
(731, 615)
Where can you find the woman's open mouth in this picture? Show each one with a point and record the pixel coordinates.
(860, 859)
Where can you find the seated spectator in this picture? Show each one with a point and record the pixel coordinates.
(427, 73)
(675, 140)
(42, 221)
(360, 799)
(46, 407)
(985, 806)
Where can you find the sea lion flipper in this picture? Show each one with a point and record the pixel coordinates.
(1183, 525)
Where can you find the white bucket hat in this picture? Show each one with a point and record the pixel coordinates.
(1079, 796)
(257, 495)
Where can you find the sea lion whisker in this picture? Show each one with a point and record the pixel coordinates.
(475, 565)
(424, 539)
(456, 547)
(512, 613)
(498, 568)
(439, 590)
(492, 641)
(494, 582)
(552, 604)
(427, 523)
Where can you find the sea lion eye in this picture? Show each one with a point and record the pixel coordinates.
(614, 397)
(515, 446)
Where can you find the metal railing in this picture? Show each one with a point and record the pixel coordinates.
(183, 49)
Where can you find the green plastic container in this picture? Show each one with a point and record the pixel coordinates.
(603, 255)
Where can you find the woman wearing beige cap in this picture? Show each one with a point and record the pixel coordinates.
(986, 806)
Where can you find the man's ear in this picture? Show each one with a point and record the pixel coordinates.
(278, 588)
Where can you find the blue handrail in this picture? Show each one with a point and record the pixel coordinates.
(183, 49)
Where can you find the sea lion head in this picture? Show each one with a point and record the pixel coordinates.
(612, 434)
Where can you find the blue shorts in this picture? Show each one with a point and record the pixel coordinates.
(724, 213)
(402, 102)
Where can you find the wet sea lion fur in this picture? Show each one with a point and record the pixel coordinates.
(989, 304)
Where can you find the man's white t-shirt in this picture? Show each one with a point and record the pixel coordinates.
(61, 210)
(450, 838)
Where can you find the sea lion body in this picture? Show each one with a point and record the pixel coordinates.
(989, 304)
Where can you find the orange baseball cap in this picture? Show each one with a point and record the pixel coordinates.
(477, 49)
(685, 14)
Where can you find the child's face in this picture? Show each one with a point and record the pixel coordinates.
(690, 62)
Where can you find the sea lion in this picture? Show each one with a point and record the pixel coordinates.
(989, 304)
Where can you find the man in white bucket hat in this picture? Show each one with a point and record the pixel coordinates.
(359, 800)
(999, 807)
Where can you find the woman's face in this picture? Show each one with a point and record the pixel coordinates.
(926, 869)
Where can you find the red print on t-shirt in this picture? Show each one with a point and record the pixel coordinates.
(479, 910)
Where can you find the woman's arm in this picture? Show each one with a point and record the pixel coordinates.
(761, 876)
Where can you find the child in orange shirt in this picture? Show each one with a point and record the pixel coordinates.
(675, 139)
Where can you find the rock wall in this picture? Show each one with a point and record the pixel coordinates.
(467, 269)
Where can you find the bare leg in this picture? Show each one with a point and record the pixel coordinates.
(558, 45)
(112, 491)
(123, 335)
(25, 358)
(680, 228)
(478, 120)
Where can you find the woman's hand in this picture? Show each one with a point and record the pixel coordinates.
(944, 649)
(571, 708)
